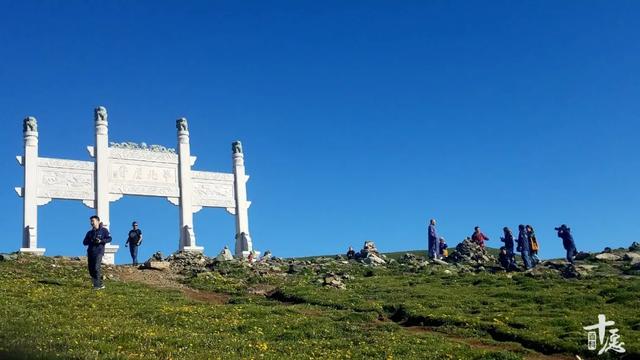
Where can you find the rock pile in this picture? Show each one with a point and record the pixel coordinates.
(369, 255)
(469, 252)
(335, 281)
(225, 255)
(189, 262)
(156, 262)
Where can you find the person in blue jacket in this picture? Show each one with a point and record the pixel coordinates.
(564, 233)
(432, 237)
(95, 239)
(523, 246)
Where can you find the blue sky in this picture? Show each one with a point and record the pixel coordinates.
(360, 120)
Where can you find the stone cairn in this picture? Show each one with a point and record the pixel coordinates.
(470, 253)
(370, 254)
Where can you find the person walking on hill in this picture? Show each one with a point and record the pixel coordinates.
(95, 239)
(509, 246)
(133, 241)
(523, 246)
(533, 245)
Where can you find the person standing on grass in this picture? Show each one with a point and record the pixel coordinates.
(478, 237)
(533, 245)
(523, 246)
(95, 239)
(133, 241)
(432, 240)
(567, 241)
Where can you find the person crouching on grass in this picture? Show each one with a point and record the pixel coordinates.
(95, 239)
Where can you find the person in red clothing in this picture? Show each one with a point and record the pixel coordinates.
(478, 237)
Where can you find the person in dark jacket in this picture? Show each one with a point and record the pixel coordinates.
(509, 246)
(351, 254)
(504, 258)
(95, 239)
(523, 246)
(133, 241)
(432, 238)
(478, 237)
(564, 233)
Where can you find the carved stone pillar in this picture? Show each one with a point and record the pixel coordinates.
(244, 244)
(30, 191)
(187, 235)
(102, 177)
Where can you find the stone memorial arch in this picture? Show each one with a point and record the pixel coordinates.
(119, 169)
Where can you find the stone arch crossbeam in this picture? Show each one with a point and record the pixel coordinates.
(120, 169)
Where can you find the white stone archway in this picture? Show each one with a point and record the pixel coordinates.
(120, 169)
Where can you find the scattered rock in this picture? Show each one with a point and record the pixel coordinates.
(632, 256)
(575, 272)
(334, 281)
(582, 255)
(408, 257)
(373, 260)
(157, 265)
(440, 262)
(635, 246)
(8, 257)
(607, 257)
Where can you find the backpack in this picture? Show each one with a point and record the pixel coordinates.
(534, 244)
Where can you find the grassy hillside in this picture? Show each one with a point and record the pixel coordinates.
(274, 311)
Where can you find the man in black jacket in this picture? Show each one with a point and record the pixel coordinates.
(133, 241)
(564, 233)
(95, 239)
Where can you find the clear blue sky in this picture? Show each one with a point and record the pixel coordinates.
(360, 119)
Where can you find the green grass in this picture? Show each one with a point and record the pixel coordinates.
(47, 310)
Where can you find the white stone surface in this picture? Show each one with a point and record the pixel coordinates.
(243, 243)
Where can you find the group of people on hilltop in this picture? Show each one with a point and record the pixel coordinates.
(526, 244)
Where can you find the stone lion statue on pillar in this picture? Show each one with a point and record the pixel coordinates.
(100, 114)
(236, 147)
(181, 124)
(30, 124)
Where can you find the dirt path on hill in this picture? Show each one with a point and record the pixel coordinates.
(165, 280)
(479, 344)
